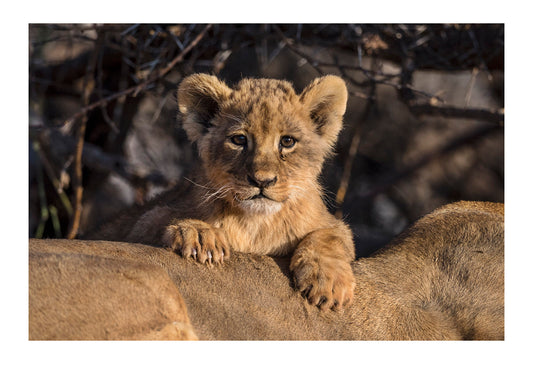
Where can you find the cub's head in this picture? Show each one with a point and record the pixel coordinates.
(261, 144)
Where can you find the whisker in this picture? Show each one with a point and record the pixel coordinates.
(199, 185)
(217, 194)
(212, 192)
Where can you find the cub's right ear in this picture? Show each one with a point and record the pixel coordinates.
(199, 98)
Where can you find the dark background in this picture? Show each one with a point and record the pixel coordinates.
(424, 123)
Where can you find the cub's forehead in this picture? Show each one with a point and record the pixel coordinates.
(264, 102)
(257, 87)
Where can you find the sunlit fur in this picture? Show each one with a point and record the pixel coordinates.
(441, 279)
(252, 192)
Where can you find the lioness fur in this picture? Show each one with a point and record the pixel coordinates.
(261, 149)
(442, 279)
(74, 295)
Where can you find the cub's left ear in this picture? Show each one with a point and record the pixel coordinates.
(325, 99)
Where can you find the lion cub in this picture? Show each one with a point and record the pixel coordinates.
(261, 149)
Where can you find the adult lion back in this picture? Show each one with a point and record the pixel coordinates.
(449, 263)
(441, 279)
(87, 291)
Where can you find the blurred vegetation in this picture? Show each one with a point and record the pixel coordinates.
(424, 124)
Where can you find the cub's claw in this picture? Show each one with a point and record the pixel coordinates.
(197, 240)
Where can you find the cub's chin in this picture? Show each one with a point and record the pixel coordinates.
(260, 205)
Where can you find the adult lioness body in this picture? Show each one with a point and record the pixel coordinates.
(443, 278)
(261, 147)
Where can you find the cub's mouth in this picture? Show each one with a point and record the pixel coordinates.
(261, 195)
(260, 203)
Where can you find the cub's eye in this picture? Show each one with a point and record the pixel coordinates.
(287, 141)
(239, 140)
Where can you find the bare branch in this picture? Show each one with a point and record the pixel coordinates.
(494, 116)
(88, 87)
(290, 44)
(459, 141)
(354, 146)
(142, 86)
(96, 159)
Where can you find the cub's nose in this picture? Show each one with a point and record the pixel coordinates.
(262, 182)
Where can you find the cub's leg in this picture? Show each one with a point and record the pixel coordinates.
(321, 267)
(198, 240)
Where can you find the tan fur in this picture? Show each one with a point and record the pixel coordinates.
(261, 149)
(83, 296)
(443, 278)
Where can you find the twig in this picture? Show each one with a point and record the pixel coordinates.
(290, 44)
(100, 91)
(454, 144)
(88, 87)
(482, 62)
(356, 68)
(471, 84)
(55, 221)
(96, 159)
(346, 173)
(139, 87)
(175, 61)
(354, 146)
(350, 79)
(42, 203)
(369, 74)
(494, 116)
(58, 184)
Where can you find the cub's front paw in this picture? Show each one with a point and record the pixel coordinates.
(325, 281)
(198, 240)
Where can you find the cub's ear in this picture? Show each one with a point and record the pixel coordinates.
(325, 99)
(199, 98)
